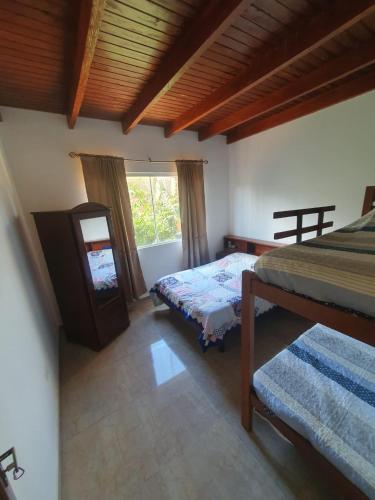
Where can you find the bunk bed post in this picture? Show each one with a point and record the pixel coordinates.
(247, 349)
(369, 200)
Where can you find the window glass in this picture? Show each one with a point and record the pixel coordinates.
(155, 209)
(142, 210)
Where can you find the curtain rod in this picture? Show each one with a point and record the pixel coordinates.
(72, 154)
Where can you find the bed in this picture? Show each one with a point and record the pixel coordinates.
(336, 268)
(323, 387)
(209, 296)
(102, 269)
(330, 281)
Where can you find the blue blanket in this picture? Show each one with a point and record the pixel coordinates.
(323, 386)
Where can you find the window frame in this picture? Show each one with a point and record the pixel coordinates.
(167, 173)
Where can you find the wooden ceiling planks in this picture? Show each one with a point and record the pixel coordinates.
(135, 36)
(90, 18)
(351, 87)
(340, 16)
(32, 54)
(135, 39)
(355, 42)
(217, 66)
(199, 34)
(350, 62)
(233, 106)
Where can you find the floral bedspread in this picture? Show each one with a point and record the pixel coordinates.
(210, 294)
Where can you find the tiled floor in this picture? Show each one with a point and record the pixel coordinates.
(152, 417)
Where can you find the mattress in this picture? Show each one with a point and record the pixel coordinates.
(323, 386)
(337, 268)
(209, 295)
(102, 268)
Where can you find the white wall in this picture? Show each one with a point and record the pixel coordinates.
(37, 145)
(321, 159)
(29, 418)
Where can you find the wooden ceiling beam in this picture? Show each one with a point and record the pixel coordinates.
(90, 17)
(199, 34)
(346, 90)
(340, 16)
(350, 62)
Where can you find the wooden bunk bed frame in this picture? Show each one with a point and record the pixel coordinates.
(359, 327)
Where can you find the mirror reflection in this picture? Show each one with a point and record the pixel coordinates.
(100, 257)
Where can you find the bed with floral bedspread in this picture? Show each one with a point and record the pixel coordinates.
(210, 295)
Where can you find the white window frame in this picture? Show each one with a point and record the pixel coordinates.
(168, 173)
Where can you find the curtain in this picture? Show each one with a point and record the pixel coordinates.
(105, 180)
(193, 213)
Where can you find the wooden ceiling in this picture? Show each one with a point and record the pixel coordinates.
(230, 67)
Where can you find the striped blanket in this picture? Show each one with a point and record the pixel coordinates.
(337, 268)
(323, 386)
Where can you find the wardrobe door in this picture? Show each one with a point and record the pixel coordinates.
(59, 246)
(97, 250)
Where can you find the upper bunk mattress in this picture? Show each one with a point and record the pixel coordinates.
(210, 294)
(337, 268)
(323, 386)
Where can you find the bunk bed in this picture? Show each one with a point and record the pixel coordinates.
(299, 362)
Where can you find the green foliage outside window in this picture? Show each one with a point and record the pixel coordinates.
(155, 208)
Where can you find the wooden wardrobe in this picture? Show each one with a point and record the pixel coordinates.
(82, 259)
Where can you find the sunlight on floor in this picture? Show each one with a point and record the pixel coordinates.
(165, 362)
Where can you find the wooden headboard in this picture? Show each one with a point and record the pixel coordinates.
(300, 230)
(369, 201)
(368, 205)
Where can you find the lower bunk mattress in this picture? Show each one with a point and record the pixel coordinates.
(323, 386)
(210, 295)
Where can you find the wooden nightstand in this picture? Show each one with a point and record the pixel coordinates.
(245, 245)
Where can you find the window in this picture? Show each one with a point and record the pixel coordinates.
(155, 208)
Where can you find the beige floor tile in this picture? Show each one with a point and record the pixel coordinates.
(152, 416)
(91, 464)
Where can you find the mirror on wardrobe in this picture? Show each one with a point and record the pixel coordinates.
(100, 257)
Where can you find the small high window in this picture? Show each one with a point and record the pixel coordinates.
(155, 208)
